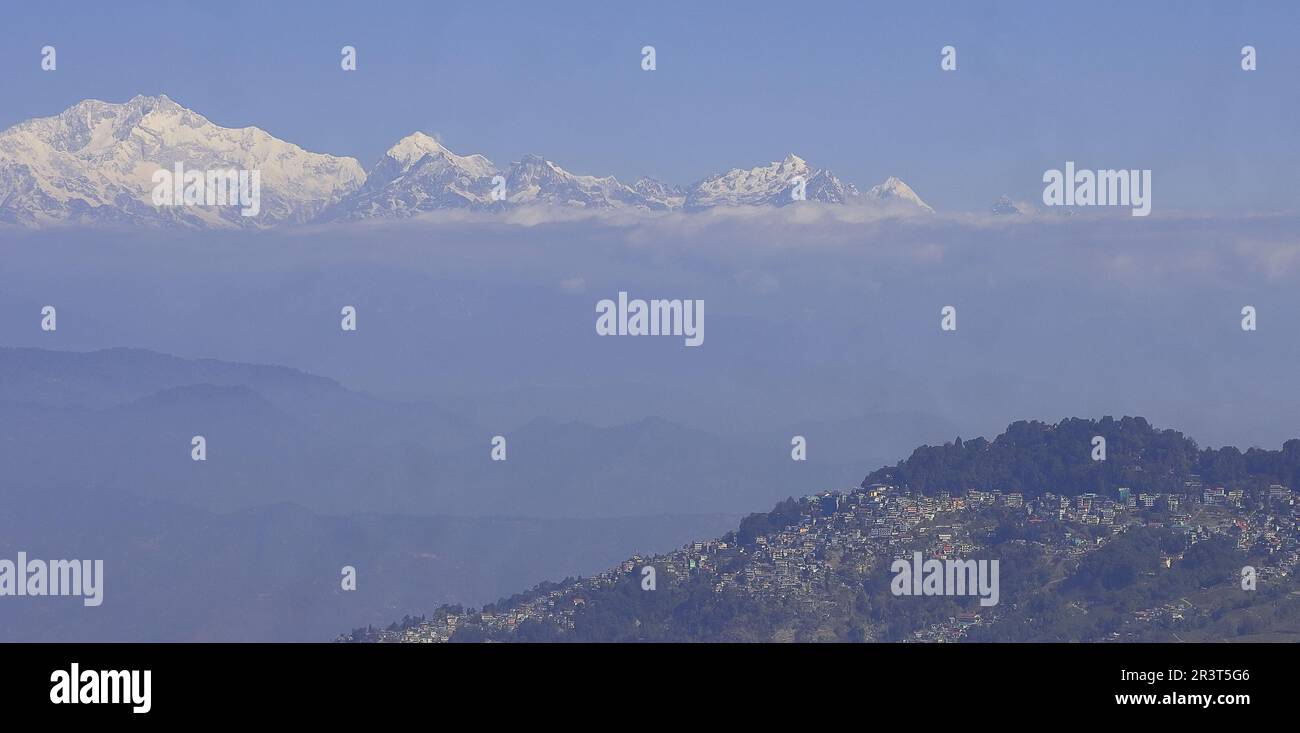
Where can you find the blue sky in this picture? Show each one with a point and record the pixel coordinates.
(854, 86)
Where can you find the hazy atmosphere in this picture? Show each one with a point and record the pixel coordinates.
(395, 356)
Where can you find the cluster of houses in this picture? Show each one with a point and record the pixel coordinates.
(846, 533)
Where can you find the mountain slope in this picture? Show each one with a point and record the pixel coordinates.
(1111, 566)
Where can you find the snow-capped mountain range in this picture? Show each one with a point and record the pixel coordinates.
(95, 163)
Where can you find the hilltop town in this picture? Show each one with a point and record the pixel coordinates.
(1134, 565)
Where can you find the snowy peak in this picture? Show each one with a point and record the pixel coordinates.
(773, 184)
(92, 125)
(658, 195)
(533, 179)
(95, 162)
(763, 186)
(826, 187)
(413, 147)
(418, 175)
(893, 191)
